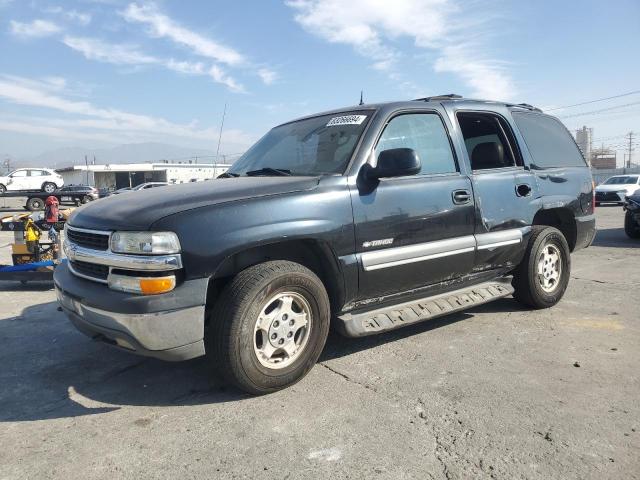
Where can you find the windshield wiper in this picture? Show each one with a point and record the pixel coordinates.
(269, 171)
(228, 175)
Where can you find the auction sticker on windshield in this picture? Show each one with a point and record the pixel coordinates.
(346, 120)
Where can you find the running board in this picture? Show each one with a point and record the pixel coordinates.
(396, 316)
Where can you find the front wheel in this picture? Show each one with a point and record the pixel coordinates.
(3, 189)
(269, 326)
(543, 275)
(86, 199)
(631, 227)
(49, 187)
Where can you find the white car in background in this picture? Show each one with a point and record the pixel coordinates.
(615, 189)
(31, 179)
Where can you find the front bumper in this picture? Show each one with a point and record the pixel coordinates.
(168, 326)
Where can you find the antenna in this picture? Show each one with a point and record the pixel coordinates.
(361, 102)
(224, 113)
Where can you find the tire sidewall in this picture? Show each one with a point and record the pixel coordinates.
(265, 378)
(35, 204)
(44, 187)
(547, 237)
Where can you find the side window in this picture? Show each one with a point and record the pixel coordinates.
(35, 173)
(489, 141)
(549, 142)
(19, 174)
(425, 133)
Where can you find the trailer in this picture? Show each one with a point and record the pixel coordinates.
(35, 200)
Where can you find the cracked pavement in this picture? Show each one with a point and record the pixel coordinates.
(494, 392)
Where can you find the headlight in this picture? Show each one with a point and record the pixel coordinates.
(149, 243)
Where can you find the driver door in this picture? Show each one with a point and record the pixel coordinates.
(416, 230)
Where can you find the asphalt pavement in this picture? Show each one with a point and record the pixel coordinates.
(495, 392)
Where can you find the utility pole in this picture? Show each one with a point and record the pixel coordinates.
(86, 166)
(630, 135)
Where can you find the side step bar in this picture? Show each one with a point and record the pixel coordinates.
(396, 316)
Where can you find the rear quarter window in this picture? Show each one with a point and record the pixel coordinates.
(548, 140)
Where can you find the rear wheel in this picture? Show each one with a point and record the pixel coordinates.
(3, 189)
(631, 227)
(543, 275)
(269, 326)
(35, 204)
(48, 187)
(86, 199)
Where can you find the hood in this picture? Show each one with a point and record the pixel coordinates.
(139, 210)
(616, 188)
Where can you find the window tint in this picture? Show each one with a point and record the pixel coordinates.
(550, 143)
(489, 141)
(424, 133)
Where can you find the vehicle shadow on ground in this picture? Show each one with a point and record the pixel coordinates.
(40, 286)
(614, 238)
(50, 371)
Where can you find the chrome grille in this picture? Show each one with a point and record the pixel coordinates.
(98, 272)
(88, 239)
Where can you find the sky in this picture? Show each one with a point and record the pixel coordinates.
(98, 73)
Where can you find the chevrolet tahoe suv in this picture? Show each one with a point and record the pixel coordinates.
(367, 218)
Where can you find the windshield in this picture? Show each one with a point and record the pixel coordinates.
(631, 180)
(316, 146)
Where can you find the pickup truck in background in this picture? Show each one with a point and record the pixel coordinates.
(369, 218)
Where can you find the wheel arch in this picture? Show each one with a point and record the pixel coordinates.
(315, 255)
(561, 218)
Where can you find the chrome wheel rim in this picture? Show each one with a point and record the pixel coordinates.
(49, 188)
(282, 330)
(549, 268)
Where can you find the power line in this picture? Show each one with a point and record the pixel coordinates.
(602, 110)
(594, 101)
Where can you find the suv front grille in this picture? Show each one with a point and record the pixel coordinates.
(99, 272)
(96, 241)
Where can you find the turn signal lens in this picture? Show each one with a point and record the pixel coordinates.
(143, 285)
(156, 285)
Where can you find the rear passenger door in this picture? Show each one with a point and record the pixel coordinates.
(503, 188)
(416, 230)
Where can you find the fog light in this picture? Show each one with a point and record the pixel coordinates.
(143, 285)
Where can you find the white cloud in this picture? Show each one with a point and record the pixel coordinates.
(80, 18)
(267, 76)
(160, 25)
(124, 54)
(85, 120)
(374, 27)
(119, 54)
(35, 29)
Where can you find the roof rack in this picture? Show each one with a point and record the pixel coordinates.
(525, 105)
(448, 96)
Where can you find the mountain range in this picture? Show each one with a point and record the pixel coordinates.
(127, 153)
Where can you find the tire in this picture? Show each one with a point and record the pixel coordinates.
(631, 228)
(49, 187)
(3, 189)
(238, 346)
(86, 199)
(543, 291)
(34, 204)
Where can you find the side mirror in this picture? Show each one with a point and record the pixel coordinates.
(396, 162)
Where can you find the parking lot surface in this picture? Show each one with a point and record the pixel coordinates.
(494, 392)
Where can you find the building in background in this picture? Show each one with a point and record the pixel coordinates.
(584, 138)
(603, 158)
(116, 176)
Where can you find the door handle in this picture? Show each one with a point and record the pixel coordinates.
(460, 197)
(523, 190)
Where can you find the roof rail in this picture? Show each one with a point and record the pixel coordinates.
(525, 105)
(448, 96)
